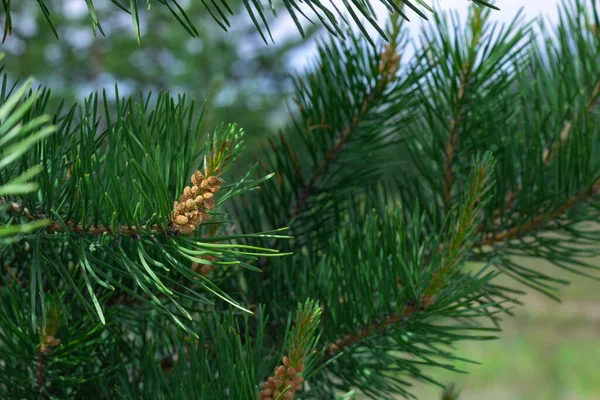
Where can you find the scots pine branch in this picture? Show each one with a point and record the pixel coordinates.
(461, 235)
(299, 344)
(334, 20)
(336, 118)
(540, 220)
(476, 25)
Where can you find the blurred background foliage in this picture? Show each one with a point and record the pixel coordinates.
(547, 350)
(242, 79)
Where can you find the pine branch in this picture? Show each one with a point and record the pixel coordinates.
(461, 231)
(299, 345)
(309, 187)
(256, 11)
(453, 138)
(551, 151)
(70, 226)
(409, 311)
(455, 124)
(541, 220)
(564, 136)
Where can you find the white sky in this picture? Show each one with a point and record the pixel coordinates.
(508, 10)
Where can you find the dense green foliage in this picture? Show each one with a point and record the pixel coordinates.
(338, 259)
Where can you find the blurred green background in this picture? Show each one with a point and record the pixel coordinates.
(243, 79)
(547, 351)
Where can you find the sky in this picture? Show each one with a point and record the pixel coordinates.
(284, 25)
(508, 10)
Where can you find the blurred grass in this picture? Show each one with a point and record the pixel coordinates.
(548, 350)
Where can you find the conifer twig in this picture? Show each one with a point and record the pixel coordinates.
(78, 228)
(426, 301)
(388, 67)
(541, 219)
(452, 254)
(452, 143)
(550, 153)
(453, 138)
(408, 311)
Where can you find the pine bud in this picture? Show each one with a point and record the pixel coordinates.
(204, 184)
(289, 395)
(197, 178)
(297, 380)
(181, 220)
(188, 229)
(179, 208)
(190, 205)
(209, 200)
(212, 180)
(195, 190)
(187, 194)
(280, 371)
(196, 219)
(199, 200)
(286, 361)
(215, 189)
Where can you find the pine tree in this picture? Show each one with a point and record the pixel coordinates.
(132, 268)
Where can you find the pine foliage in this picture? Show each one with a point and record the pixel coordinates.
(131, 267)
(261, 14)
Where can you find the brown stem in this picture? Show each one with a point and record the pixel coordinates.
(40, 380)
(453, 137)
(426, 301)
(48, 342)
(78, 228)
(540, 220)
(375, 327)
(550, 153)
(467, 70)
(305, 191)
(565, 133)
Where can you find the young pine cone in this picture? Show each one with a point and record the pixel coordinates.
(285, 377)
(195, 202)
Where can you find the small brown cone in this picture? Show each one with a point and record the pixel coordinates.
(197, 178)
(181, 220)
(187, 194)
(190, 205)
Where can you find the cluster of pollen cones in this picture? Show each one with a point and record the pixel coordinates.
(285, 376)
(195, 202)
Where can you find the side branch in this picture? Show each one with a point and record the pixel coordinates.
(387, 68)
(409, 311)
(453, 137)
(188, 213)
(540, 220)
(304, 192)
(78, 228)
(551, 151)
(467, 70)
